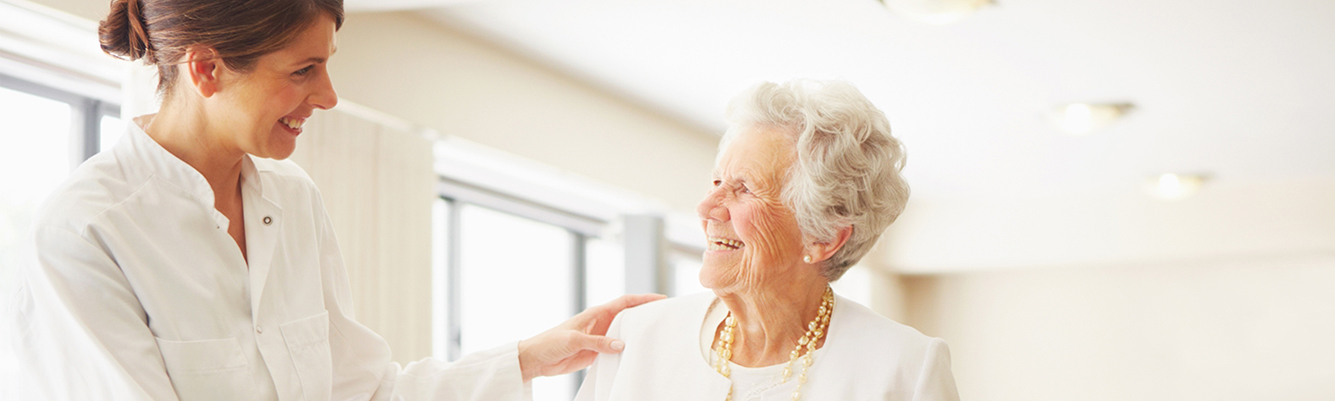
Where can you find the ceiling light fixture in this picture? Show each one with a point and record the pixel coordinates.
(1175, 186)
(1085, 118)
(936, 11)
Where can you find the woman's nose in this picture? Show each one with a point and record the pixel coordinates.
(324, 97)
(710, 208)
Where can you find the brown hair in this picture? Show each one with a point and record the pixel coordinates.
(159, 32)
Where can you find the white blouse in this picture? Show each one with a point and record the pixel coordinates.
(748, 384)
(668, 357)
(138, 292)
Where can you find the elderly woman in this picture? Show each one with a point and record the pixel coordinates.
(806, 181)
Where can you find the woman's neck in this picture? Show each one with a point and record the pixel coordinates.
(771, 320)
(185, 132)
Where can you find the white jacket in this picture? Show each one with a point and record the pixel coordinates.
(865, 357)
(139, 293)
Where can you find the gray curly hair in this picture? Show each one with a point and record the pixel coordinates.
(847, 169)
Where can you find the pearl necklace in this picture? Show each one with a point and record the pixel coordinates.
(815, 330)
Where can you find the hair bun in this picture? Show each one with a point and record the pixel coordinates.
(123, 33)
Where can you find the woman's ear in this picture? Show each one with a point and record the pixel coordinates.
(203, 67)
(820, 251)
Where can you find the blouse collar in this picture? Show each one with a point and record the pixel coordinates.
(144, 159)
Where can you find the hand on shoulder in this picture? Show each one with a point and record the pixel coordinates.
(574, 344)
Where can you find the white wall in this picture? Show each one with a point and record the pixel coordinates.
(1226, 219)
(415, 69)
(92, 10)
(1229, 330)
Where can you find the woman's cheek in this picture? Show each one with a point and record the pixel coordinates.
(774, 233)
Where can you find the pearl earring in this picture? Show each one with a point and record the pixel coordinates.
(806, 258)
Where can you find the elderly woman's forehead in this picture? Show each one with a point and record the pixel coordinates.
(758, 155)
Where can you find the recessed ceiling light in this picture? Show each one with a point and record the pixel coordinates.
(1085, 118)
(935, 11)
(1175, 186)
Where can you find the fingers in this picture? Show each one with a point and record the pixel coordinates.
(579, 361)
(599, 344)
(561, 352)
(595, 320)
(575, 343)
(630, 301)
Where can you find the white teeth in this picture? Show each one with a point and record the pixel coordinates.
(724, 244)
(293, 123)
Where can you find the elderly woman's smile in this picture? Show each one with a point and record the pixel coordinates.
(753, 237)
(724, 244)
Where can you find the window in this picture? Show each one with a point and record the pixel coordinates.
(502, 271)
(605, 271)
(45, 135)
(514, 272)
(111, 131)
(685, 273)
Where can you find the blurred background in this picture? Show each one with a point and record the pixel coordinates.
(1111, 200)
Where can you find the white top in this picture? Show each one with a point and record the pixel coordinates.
(748, 384)
(865, 357)
(138, 292)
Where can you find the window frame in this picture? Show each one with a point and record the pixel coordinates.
(86, 114)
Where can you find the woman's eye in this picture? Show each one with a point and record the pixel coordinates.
(304, 71)
(743, 189)
(718, 182)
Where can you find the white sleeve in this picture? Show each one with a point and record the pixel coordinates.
(362, 368)
(79, 330)
(484, 375)
(602, 374)
(935, 381)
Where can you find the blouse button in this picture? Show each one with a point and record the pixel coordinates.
(268, 220)
(259, 329)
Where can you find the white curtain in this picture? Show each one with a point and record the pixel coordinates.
(377, 182)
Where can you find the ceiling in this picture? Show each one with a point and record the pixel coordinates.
(1242, 91)
(1236, 89)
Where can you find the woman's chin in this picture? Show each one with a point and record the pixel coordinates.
(281, 154)
(278, 149)
(713, 276)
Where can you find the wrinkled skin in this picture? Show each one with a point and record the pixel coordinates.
(766, 284)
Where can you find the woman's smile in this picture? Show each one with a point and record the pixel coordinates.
(292, 124)
(725, 244)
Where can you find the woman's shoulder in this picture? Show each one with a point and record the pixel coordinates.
(876, 357)
(667, 312)
(875, 334)
(96, 185)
